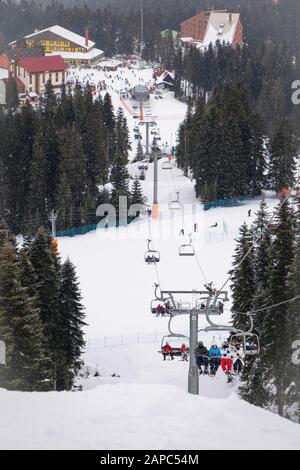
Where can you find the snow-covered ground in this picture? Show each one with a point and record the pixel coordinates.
(147, 406)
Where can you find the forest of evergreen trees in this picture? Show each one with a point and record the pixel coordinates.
(269, 276)
(245, 136)
(55, 158)
(263, 20)
(41, 316)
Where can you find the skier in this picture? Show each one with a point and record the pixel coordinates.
(214, 355)
(249, 212)
(168, 351)
(181, 232)
(195, 227)
(184, 352)
(201, 354)
(215, 225)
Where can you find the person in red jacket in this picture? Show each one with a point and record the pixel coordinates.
(184, 352)
(167, 351)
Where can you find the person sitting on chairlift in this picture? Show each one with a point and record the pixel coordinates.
(167, 351)
(215, 358)
(226, 364)
(201, 354)
(238, 363)
(184, 352)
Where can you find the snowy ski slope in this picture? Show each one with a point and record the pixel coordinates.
(147, 407)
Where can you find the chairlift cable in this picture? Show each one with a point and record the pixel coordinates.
(269, 307)
(200, 267)
(150, 238)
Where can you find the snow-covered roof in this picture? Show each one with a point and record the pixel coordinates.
(163, 77)
(221, 27)
(3, 73)
(89, 55)
(187, 39)
(65, 33)
(110, 63)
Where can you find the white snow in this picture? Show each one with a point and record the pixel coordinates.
(147, 408)
(92, 54)
(148, 405)
(3, 73)
(221, 28)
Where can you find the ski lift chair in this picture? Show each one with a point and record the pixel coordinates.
(250, 341)
(187, 249)
(218, 309)
(175, 349)
(175, 204)
(159, 308)
(151, 256)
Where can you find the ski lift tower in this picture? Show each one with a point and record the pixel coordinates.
(209, 303)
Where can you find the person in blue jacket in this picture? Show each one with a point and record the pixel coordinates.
(214, 355)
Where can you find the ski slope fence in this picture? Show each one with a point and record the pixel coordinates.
(227, 202)
(96, 344)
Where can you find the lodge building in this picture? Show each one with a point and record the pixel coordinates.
(208, 27)
(73, 48)
(34, 72)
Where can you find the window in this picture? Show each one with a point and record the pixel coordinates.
(30, 79)
(56, 77)
(44, 78)
(50, 77)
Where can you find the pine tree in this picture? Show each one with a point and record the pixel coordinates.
(261, 260)
(46, 267)
(294, 326)
(73, 173)
(242, 279)
(38, 206)
(139, 156)
(253, 387)
(137, 196)
(282, 151)
(276, 329)
(71, 324)
(12, 96)
(27, 367)
(109, 124)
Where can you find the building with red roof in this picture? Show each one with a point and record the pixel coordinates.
(35, 72)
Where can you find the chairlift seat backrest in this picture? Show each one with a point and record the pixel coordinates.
(186, 250)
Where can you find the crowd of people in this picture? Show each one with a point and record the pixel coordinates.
(230, 357)
(120, 81)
